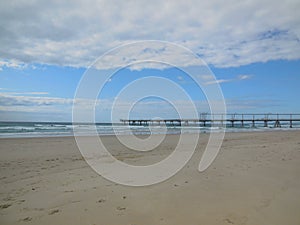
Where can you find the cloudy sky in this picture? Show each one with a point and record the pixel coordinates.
(252, 48)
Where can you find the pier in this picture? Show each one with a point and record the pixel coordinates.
(228, 120)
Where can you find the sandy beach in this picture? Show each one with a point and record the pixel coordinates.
(255, 180)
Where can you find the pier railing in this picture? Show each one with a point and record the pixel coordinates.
(231, 120)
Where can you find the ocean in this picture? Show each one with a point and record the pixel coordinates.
(48, 129)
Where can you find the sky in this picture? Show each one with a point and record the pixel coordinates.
(252, 48)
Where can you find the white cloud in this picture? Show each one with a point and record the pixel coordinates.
(16, 100)
(12, 93)
(220, 81)
(12, 63)
(244, 77)
(36, 93)
(10, 105)
(210, 80)
(75, 33)
(148, 54)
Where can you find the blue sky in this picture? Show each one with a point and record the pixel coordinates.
(253, 53)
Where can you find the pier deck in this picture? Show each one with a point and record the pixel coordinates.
(221, 119)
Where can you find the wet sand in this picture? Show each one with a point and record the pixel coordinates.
(255, 180)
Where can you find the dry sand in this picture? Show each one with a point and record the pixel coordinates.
(255, 180)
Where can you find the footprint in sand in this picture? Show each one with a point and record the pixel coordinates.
(5, 206)
(21, 201)
(53, 211)
(228, 221)
(235, 219)
(101, 201)
(27, 219)
(120, 208)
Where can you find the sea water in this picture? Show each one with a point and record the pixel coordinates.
(47, 129)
